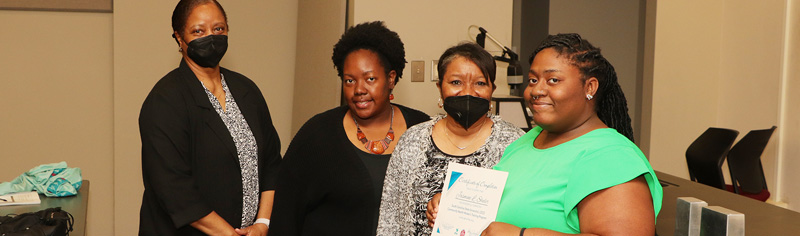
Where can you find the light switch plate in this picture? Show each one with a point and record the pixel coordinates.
(417, 71)
(434, 70)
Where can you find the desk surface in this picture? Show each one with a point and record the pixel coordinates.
(75, 205)
(759, 218)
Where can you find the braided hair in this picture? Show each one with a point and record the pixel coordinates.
(611, 106)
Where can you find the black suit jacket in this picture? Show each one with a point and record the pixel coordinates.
(190, 165)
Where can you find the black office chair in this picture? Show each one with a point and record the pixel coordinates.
(707, 153)
(744, 163)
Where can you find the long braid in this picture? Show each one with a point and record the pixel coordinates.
(611, 106)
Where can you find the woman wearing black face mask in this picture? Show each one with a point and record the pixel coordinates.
(209, 150)
(466, 135)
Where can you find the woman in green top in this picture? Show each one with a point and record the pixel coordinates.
(578, 172)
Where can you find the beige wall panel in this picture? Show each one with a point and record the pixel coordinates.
(317, 88)
(57, 99)
(750, 68)
(616, 34)
(427, 28)
(143, 53)
(686, 77)
(789, 129)
(646, 104)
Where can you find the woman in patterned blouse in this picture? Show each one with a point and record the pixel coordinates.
(466, 135)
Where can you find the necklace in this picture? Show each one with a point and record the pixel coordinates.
(379, 146)
(470, 142)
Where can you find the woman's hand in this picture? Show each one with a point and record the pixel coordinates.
(213, 224)
(254, 230)
(433, 208)
(500, 228)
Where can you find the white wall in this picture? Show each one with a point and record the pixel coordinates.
(56, 91)
(427, 28)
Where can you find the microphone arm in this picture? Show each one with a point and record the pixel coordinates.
(508, 55)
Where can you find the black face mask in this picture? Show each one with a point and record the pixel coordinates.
(207, 51)
(466, 109)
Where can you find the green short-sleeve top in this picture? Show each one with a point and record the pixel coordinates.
(544, 186)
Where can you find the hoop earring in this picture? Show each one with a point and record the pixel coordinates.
(589, 97)
(440, 104)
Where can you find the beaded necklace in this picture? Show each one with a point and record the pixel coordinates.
(379, 146)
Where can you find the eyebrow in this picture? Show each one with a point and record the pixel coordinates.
(365, 73)
(545, 71)
(551, 70)
(463, 76)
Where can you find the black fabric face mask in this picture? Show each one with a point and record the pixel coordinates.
(208, 51)
(466, 109)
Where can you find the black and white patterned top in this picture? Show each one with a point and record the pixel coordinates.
(246, 148)
(417, 170)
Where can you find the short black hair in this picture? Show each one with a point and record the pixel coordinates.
(375, 37)
(472, 52)
(611, 106)
(184, 9)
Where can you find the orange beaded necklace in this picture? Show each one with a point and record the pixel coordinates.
(379, 146)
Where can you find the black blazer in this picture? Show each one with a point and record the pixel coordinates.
(190, 165)
(324, 188)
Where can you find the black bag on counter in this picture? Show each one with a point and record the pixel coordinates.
(51, 221)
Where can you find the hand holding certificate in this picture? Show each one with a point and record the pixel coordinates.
(470, 198)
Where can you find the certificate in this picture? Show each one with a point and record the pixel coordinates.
(469, 202)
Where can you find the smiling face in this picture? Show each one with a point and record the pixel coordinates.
(365, 84)
(464, 77)
(556, 92)
(205, 19)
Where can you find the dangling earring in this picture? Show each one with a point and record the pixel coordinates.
(489, 113)
(391, 96)
(440, 103)
(589, 97)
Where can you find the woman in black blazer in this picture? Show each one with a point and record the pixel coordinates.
(209, 151)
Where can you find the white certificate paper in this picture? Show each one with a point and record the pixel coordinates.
(469, 202)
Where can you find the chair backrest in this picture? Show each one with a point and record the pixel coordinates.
(744, 161)
(707, 153)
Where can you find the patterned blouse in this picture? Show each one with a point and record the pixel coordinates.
(417, 170)
(246, 148)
